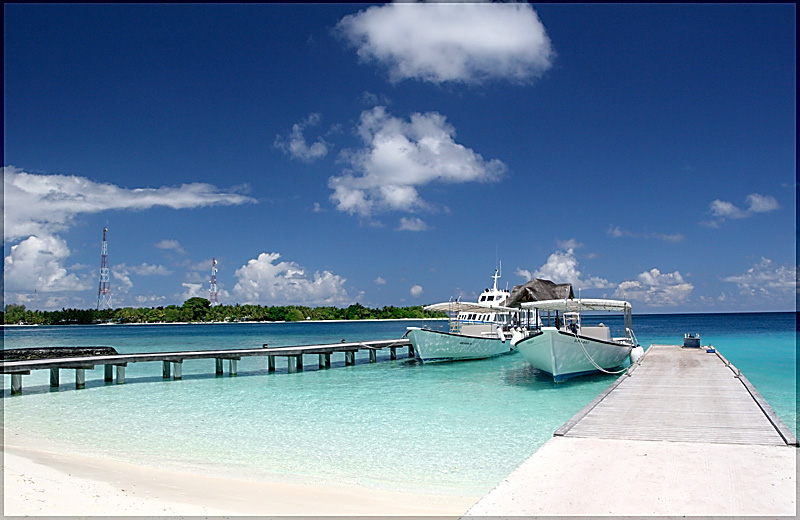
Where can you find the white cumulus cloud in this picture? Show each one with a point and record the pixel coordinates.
(412, 224)
(194, 290)
(172, 244)
(295, 144)
(39, 206)
(122, 273)
(452, 42)
(766, 279)
(756, 203)
(265, 280)
(656, 288)
(36, 265)
(562, 267)
(398, 157)
(416, 291)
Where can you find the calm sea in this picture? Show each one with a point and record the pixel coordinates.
(450, 428)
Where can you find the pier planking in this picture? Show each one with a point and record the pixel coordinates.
(683, 426)
(172, 361)
(682, 395)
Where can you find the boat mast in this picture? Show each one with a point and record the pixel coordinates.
(495, 276)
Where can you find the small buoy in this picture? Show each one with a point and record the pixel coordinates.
(636, 353)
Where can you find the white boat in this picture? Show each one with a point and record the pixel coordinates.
(567, 348)
(475, 330)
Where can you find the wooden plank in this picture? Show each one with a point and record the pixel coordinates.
(682, 395)
(8, 367)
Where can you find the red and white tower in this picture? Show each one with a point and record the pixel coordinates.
(213, 294)
(104, 291)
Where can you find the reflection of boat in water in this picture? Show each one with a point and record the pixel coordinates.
(567, 348)
(476, 330)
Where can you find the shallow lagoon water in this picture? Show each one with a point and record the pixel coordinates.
(449, 428)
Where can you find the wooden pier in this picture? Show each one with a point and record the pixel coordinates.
(682, 433)
(172, 362)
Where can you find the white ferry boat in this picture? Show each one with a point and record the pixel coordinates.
(476, 330)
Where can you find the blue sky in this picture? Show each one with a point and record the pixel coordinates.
(395, 154)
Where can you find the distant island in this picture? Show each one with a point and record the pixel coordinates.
(200, 310)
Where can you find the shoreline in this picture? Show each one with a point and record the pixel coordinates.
(644, 315)
(50, 480)
(368, 320)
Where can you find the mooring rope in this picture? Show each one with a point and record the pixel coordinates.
(598, 367)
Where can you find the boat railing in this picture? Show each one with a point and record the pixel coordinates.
(632, 336)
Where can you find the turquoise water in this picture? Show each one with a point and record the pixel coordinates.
(449, 428)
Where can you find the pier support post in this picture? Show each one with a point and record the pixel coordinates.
(166, 370)
(349, 358)
(177, 370)
(108, 375)
(218, 370)
(328, 360)
(270, 363)
(292, 360)
(54, 378)
(392, 353)
(16, 384)
(373, 355)
(80, 378)
(120, 374)
(299, 362)
(233, 366)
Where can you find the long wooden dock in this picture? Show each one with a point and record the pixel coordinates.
(172, 362)
(682, 433)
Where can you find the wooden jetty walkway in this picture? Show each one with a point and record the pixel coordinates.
(682, 433)
(173, 361)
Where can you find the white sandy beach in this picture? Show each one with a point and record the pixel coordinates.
(44, 482)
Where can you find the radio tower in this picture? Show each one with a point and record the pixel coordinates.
(213, 294)
(104, 291)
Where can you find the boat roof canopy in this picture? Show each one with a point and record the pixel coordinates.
(584, 304)
(467, 307)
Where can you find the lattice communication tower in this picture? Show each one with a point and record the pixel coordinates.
(104, 291)
(213, 295)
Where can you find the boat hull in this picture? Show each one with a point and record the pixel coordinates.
(432, 346)
(560, 354)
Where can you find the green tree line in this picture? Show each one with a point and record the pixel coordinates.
(200, 310)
